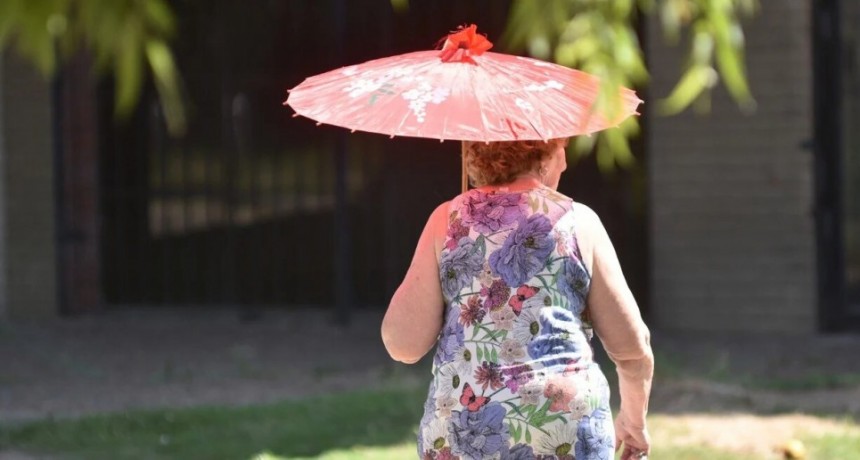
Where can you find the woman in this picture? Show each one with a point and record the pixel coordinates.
(509, 280)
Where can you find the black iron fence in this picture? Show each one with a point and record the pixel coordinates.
(244, 209)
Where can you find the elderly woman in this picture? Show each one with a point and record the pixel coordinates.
(510, 280)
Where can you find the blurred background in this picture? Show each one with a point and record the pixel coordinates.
(226, 254)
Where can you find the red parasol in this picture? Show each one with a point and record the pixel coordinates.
(461, 92)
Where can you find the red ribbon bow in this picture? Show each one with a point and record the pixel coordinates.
(463, 44)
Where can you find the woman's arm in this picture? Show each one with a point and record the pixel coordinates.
(617, 320)
(414, 317)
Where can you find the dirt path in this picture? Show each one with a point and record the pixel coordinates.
(157, 358)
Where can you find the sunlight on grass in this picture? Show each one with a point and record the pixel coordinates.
(403, 451)
(750, 436)
(834, 447)
(380, 425)
(398, 452)
(293, 429)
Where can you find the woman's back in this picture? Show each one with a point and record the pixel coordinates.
(513, 370)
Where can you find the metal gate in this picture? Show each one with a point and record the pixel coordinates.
(244, 209)
(255, 208)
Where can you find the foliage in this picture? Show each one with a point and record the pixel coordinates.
(599, 37)
(124, 36)
(129, 37)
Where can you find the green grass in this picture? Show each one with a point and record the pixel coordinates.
(835, 447)
(377, 425)
(693, 453)
(327, 425)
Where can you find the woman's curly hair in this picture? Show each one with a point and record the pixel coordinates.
(497, 163)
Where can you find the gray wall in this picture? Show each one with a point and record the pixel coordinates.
(732, 230)
(4, 307)
(27, 241)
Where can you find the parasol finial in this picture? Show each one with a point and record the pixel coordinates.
(461, 45)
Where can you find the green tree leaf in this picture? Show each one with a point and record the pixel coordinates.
(126, 37)
(400, 5)
(694, 81)
(599, 37)
(129, 75)
(166, 78)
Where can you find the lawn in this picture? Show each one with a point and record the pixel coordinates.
(376, 425)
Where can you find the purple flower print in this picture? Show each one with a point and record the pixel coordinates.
(459, 267)
(557, 320)
(525, 251)
(490, 213)
(595, 437)
(573, 284)
(456, 231)
(552, 350)
(496, 295)
(479, 434)
(521, 452)
(557, 343)
(450, 340)
(429, 409)
(517, 375)
(430, 402)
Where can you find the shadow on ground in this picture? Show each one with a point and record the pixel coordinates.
(242, 372)
(150, 358)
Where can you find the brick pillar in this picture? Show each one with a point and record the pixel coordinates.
(732, 229)
(27, 231)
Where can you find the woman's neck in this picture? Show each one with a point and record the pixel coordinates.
(523, 182)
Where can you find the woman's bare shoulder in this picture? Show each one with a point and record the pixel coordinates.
(437, 225)
(440, 215)
(589, 232)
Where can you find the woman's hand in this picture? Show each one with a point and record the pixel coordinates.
(635, 440)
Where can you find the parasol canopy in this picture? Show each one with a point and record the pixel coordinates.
(461, 92)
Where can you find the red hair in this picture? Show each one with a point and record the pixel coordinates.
(498, 163)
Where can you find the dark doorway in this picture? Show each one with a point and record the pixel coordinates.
(837, 161)
(850, 158)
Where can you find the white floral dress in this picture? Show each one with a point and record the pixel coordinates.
(513, 374)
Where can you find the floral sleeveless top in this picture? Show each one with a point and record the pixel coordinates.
(513, 375)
